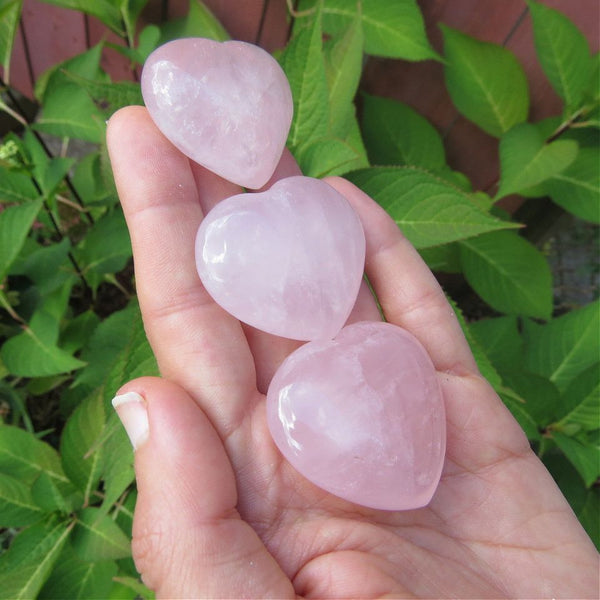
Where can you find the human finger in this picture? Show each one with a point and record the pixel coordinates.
(196, 343)
(188, 538)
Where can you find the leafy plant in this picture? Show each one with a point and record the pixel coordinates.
(70, 328)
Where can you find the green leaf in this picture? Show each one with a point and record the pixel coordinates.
(16, 187)
(429, 211)
(564, 347)
(108, 96)
(10, 13)
(106, 247)
(130, 11)
(354, 139)
(484, 365)
(88, 179)
(199, 22)
(97, 537)
(397, 134)
(117, 352)
(34, 352)
(50, 175)
(577, 188)
(563, 52)
(86, 64)
(444, 258)
(509, 273)
(518, 410)
(50, 498)
(589, 515)
(304, 66)
(30, 558)
(139, 589)
(118, 473)
(501, 341)
(326, 156)
(148, 40)
(581, 400)
(343, 68)
(25, 457)
(78, 331)
(15, 223)
(48, 267)
(108, 12)
(76, 579)
(525, 160)
(585, 457)
(17, 507)
(485, 81)
(542, 398)
(80, 445)
(82, 121)
(392, 29)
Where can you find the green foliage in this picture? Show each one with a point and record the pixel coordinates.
(10, 11)
(70, 328)
(485, 81)
(527, 160)
(391, 29)
(429, 210)
(563, 51)
(509, 273)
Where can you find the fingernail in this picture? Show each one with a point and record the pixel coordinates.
(131, 409)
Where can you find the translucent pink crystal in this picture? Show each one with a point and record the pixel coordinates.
(228, 105)
(288, 260)
(362, 416)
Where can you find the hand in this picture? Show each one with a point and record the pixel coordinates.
(221, 514)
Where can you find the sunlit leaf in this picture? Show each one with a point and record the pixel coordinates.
(10, 13)
(564, 347)
(30, 558)
(396, 134)
(563, 52)
(81, 445)
(97, 537)
(428, 210)
(509, 273)
(15, 223)
(303, 63)
(485, 81)
(525, 160)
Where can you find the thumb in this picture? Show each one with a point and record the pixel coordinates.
(188, 538)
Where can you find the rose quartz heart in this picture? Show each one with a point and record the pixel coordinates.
(362, 416)
(228, 105)
(288, 261)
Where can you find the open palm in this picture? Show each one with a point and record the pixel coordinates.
(221, 514)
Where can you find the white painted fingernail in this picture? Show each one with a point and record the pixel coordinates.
(131, 408)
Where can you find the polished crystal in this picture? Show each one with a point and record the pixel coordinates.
(362, 416)
(226, 105)
(288, 260)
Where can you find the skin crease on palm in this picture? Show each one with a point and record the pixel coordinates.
(221, 514)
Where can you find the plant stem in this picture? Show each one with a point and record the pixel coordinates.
(298, 13)
(61, 235)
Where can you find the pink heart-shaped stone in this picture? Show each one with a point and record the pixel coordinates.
(362, 416)
(226, 105)
(288, 260)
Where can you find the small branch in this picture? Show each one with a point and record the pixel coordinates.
(72, 204)
(566, 125)
(7, 109)
(9, 309)
(298, 13)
